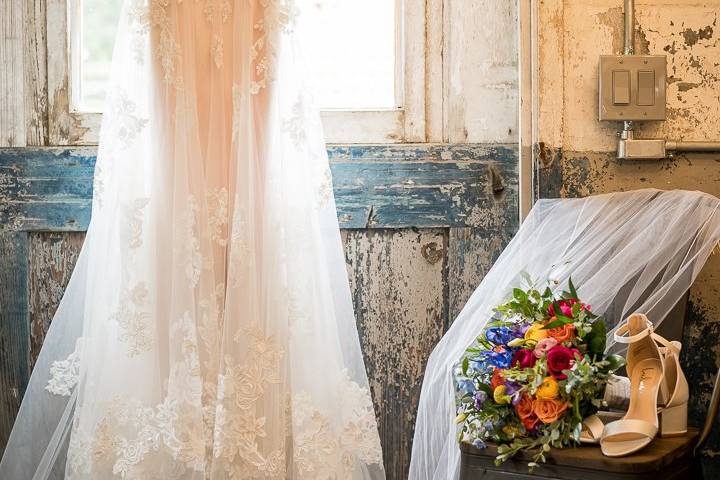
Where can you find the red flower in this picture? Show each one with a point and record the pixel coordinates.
(560, 358)
(497, 379)
(530, 422)
(566, 307)
(523, 358)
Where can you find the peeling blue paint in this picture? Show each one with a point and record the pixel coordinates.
(394, 186)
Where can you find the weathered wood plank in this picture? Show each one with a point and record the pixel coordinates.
(12, 108)
(14, 328)
(65, 127)
(36, 110)
(471, 254)
(396, 277)
(46, 189)
(51, 259)
(375, 186)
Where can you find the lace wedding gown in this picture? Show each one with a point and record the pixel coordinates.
(207, 330)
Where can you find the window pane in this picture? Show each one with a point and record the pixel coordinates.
(350, 52)
(99, 26)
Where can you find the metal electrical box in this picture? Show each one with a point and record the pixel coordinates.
(632, 87)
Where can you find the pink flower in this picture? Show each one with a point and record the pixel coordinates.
(566, 307)
(543, 346)
(560, 358)
(523, 358)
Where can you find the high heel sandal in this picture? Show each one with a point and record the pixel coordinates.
(674, 391)
(646, 367)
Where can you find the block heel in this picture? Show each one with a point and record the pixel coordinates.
(673, 421)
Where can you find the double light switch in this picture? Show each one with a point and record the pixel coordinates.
(632, 87)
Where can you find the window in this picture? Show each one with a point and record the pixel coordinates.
(367, 59)
(92, 59)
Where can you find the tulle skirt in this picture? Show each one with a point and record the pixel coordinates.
(207, 330)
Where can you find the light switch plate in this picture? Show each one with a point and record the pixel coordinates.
(642, 69)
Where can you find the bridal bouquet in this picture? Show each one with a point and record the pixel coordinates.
(537, 369)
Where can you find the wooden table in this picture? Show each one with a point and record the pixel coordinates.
(664, 459)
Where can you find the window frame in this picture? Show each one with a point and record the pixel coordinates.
(414, 47)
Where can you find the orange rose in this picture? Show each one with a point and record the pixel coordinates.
(549, 410)
(563, 333)
(524, 407)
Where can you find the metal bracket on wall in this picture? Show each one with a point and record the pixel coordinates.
(633, 88)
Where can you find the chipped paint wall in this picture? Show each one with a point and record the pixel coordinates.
(576, 152)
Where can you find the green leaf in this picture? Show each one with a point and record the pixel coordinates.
(561, 320)
(485, 388)
(465, 365)
(597, 337)
(573, 292)
(615, 362)
(519, 295)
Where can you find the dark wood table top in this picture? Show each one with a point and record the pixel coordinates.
(659, 454)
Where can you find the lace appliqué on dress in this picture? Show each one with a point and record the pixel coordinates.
(217, 202)
(125, 126)
(65, 374)
(325, 450)
(278, 16)
(133, 320)
(240, 390)
(193, 256)
(134, 223)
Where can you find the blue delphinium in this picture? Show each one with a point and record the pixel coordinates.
(499, 359)
(466, 386)
(500, 335)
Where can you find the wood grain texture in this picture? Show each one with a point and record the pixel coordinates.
(14, 328)
(65, 127)
(36, 98)
(668, 458)
(396, 277)
(375, 186)
(471, 254)
(46, 189)
(51, 259)
(12, 108)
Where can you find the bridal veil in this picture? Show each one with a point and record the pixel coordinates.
(626, 252)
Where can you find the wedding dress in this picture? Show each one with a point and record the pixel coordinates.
(207, 330)
(626, 252)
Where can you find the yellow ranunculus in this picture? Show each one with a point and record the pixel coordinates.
(499, 395)
(516, 342)
(536, 332)
(548, 389)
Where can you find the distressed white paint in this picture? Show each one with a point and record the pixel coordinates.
(550, 71)
(575, 32)
(396, 278)
(434, 96)
(12, 93)
(482, 71)
(65, 127)
(35, 85)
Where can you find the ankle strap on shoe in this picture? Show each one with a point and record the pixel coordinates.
(621, 337)
(667, 345)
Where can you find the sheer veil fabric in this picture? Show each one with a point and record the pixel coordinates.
(207, 330)
(627, 252)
